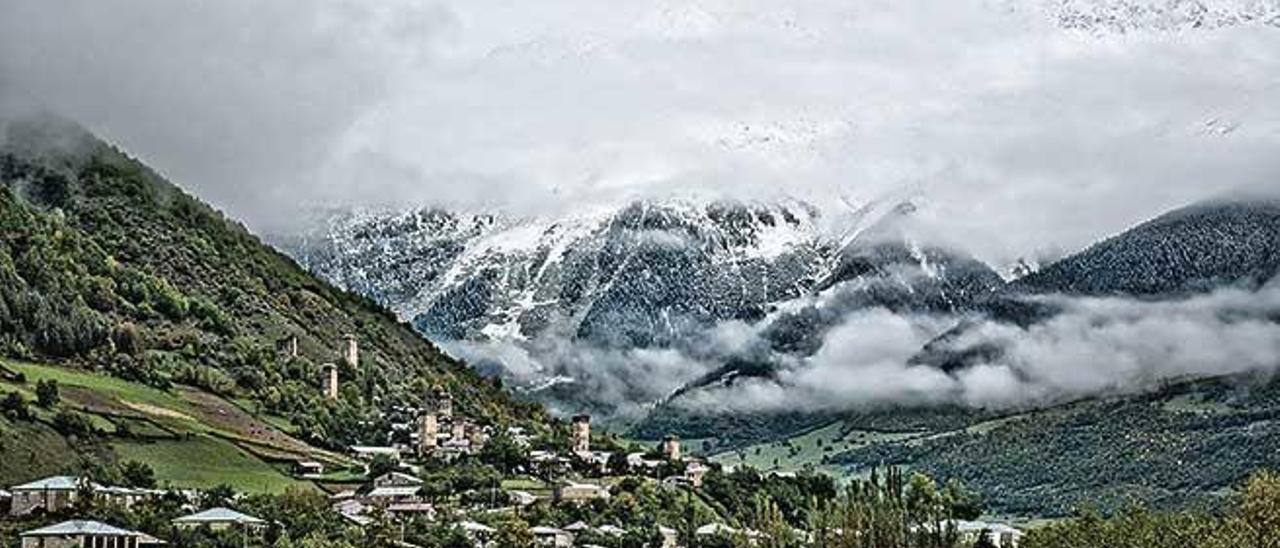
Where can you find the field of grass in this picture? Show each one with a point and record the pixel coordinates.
(806, 451)
(203, 462)
(190, 438)
(30, 450)
(118, 389)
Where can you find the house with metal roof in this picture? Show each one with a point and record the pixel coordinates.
(79, 533)
(1001, 534)
(220, 518)
(397, 479)
(50, 494)
(551, 536)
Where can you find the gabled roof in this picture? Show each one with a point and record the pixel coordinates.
(399, 477)
(408, 491)
(80, 527)
(715, 529)
(473, 527)
(52, 483)
(965, 526)
(220, 515)
(611, 530)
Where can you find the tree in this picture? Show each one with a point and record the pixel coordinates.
(14, 406)
(381, 465)
(513, 534)
(503, 453)
(47, 393)
(138, 474)
(220, 495)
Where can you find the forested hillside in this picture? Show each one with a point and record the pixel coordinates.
(1196, 248)
(105, 265)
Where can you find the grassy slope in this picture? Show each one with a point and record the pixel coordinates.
(188, 442)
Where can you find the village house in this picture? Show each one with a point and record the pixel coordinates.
(387, 496)
(637, 461)
(397, 492)
(368, 452)
(397, 479)
(218, 519)
(478, 533)
(521, 498)
(695, 472)
(670, 537)
(577, 493)
(551, 536)
(86, 534)
(350, 507)
(1001, 534)
(49, 494)
(123, 496)
(411, 508)
(611, 530)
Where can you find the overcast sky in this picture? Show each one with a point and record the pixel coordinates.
(1028, 127)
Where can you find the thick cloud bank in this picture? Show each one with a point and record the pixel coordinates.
(1034, 124)
(1095, 346)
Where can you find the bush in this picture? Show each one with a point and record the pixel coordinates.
(72, 424)
(14, 406)
(47, 393)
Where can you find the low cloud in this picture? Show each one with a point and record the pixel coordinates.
(1095, 346)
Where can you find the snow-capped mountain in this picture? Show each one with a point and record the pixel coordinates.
(644, 275)
(636, 275)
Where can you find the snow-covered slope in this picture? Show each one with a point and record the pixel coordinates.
(637, 275)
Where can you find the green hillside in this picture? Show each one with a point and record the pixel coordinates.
(191, 439)
(106, 266)
(1184, 446)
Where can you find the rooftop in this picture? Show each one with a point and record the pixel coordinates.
(220, 515)
(409, 491)
(80, 527)
(53, 483)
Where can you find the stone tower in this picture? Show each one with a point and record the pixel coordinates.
(582, 434)
(351, 351)
(671, 448)
(443, 402)
(428, 431)
(330, 380)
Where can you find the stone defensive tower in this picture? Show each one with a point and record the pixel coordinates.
(351, 351)
(581, 434)
(442, 402)
(428, 433)
(671, 448)
(330, 380)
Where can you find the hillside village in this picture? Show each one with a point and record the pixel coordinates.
(437, 465)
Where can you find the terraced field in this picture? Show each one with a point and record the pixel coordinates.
(192, 439)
